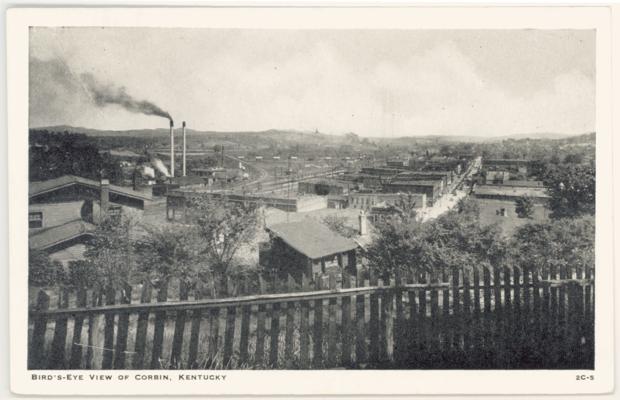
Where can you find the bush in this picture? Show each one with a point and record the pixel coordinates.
(42, 271)
(82, 273)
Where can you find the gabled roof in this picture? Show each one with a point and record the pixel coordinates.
(41, 187)
(59, 234)
(312, 239)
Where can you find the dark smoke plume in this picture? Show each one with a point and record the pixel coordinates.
(103, 95)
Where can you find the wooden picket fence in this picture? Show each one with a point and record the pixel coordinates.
(481, 318)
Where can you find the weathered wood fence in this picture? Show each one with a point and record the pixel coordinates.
(498, 318)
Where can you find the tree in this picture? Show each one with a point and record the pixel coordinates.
(111, 252)
(524, 207)
(223, 226)
(42, 271)
(453, 240)
(173, 250)
(554, 244)
(572, 190)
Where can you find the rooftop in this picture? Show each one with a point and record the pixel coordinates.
(312, 239)
(59, 234)
(414, 183)
(41, 187)
(510, 191)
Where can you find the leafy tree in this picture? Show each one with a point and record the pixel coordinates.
(111, 252)
(172, 250)
(572, 190)
(452, 240)
(223, 227)
(524, 207)
(42, 271)
(554, 244)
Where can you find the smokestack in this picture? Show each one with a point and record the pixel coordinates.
(171, 148)
(184, 150)
(104, 198)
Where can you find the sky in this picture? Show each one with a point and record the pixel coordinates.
(380, 83)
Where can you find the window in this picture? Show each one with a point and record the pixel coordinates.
(35, 220)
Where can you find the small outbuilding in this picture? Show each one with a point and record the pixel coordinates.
(307, 247)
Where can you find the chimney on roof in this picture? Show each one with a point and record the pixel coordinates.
(184, 150)
(363, 223)
(171, 149)
(104, 198)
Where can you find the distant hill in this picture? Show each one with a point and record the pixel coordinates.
(291, 135)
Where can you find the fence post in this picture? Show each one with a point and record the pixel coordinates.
(36, 355)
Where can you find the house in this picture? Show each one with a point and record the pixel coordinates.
(306, 247)
(63, 212)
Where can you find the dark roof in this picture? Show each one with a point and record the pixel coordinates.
(312, 239)
(59, 234)
(415, 183)
(41, 187)
(510, 191)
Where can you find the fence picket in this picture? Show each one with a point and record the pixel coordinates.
(141, 330)
(259, 355)
(59, 342)
(75, 361)
(290, 325)
(346, 322)
(214, 338)
(93, 329)
(123, 328)
(194, 338)
(229, 337)
(158, 333)
(332, 355)
(304, 327)
(374, 322)
(275, 332)
(36, 354)
(179, 328)
(317, 339)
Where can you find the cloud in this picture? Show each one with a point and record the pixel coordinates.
(438, 90)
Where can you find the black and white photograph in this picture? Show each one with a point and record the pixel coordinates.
(220, 199)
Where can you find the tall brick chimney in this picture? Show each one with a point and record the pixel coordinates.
(104, 199)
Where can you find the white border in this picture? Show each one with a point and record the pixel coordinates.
(316, 382)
